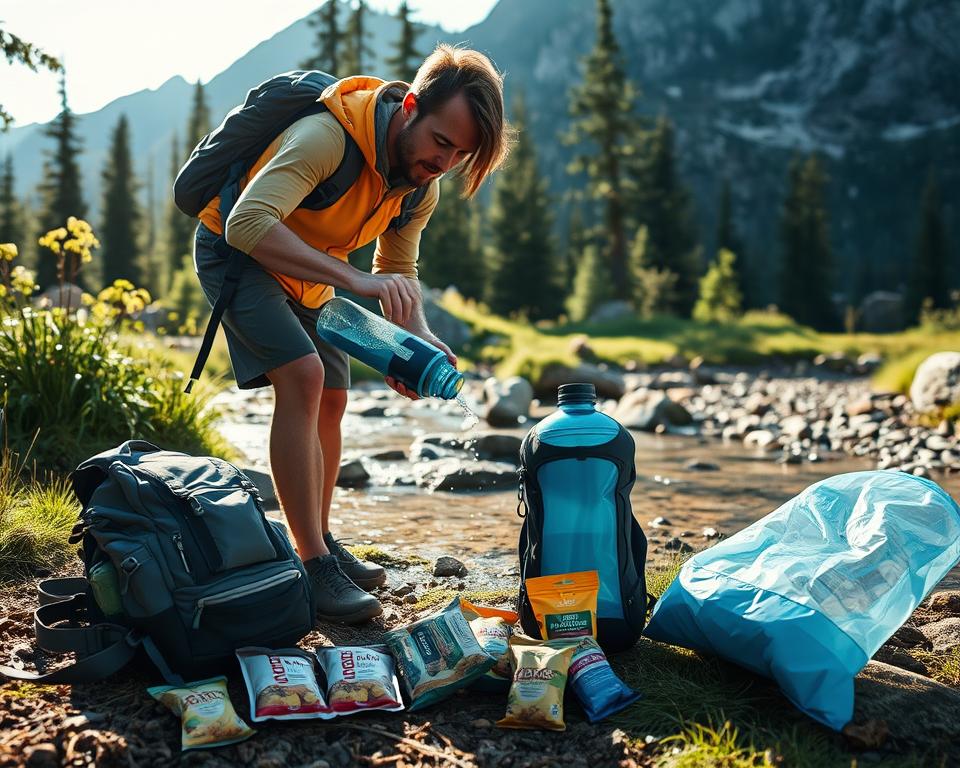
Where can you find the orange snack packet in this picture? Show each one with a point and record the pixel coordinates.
(565, 604)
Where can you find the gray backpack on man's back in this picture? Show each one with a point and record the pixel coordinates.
(179, 559)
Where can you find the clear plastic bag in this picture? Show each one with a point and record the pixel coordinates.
(810, 592)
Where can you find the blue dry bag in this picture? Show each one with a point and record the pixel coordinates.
(810, 592)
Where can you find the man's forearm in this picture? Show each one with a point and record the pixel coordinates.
(280, 250)
(418, 319)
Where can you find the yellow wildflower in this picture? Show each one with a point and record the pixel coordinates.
(8, 251)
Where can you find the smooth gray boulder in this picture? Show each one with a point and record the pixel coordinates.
(507, 401)
(936, 382)
(465, 475)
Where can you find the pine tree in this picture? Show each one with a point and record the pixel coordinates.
(121, 213)
(405, 62)
(16, 49)
(324, 21)
(806, 266)
(662, 204)
(576, 243)
(152, 280)
(522, 256)
(60, 189)
(198, 124)
(727, 238)
(602, 108)
(654, 288)
(592, 286)
(928, 281)
(11, 213)
(720, 298)
(179, 228)
(357, 54)
(449, 255)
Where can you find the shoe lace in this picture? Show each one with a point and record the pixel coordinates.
(342, 552)
(335, 580)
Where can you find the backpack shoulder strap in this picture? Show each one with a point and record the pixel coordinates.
(102, 649)
(410, 203)
(331, 189)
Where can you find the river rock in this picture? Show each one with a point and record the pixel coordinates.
(675, 545)
(920, 712)
(944, 634)
(352, 474)
(936, 382)
(763, 439)
(449, 566)
(891, 654)
(389, 455)
(659, 522)
(944, 604)
(508, 400)
(496, 446)
(795, 427)
(609, 384)
(459, 475)
(700, 465)
(646, 409)
(908, 637)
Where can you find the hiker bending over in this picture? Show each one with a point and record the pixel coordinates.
(409, 135)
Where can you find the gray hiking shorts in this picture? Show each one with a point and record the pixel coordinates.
(264, 327)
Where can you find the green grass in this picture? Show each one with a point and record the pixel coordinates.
(35, 520)
(442, 595)
(518, 348)
(702, 711)
(382, 557)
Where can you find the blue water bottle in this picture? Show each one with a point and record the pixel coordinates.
(579, 493)
(389, 349)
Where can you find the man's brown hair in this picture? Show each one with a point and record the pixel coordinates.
(450, 70)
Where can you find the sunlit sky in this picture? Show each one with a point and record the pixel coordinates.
(115, 47)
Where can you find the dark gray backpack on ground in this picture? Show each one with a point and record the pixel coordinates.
(180, 560)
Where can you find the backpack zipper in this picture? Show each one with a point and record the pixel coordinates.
(245, 591)
(178, 543)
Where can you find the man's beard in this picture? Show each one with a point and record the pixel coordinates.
(405, 160)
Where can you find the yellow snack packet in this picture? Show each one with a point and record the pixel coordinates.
(207, 716)
(539, 679)
(565, 604)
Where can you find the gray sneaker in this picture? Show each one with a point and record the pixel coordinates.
(334, 597)
(365, 575)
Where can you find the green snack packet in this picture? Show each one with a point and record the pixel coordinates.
(437, 655)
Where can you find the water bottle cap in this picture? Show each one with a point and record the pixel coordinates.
(576, 393)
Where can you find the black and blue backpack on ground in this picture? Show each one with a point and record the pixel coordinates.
(222, 158)
(179, 560)
(576, 471)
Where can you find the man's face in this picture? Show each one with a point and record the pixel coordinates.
(430, 145)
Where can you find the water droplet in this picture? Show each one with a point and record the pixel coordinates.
(470, 419)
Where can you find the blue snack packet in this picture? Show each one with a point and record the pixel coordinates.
(600, 691)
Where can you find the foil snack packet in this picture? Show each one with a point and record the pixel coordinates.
(207, 716)
(360, 678)
(437, 655)
(600, 692)
(565, 604)
(493, 628)
(539, 680)
(281, 684)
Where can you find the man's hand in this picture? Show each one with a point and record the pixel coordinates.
(427, 336)
(399, 296)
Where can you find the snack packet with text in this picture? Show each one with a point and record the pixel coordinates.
(492, 628)
(565, 604)
(539, 679)
(281, 684)
(207, 717)
(600, 692)
(360, 678)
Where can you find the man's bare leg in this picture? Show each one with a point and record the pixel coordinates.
(333, 403)
(296, 455)
(332, 406)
